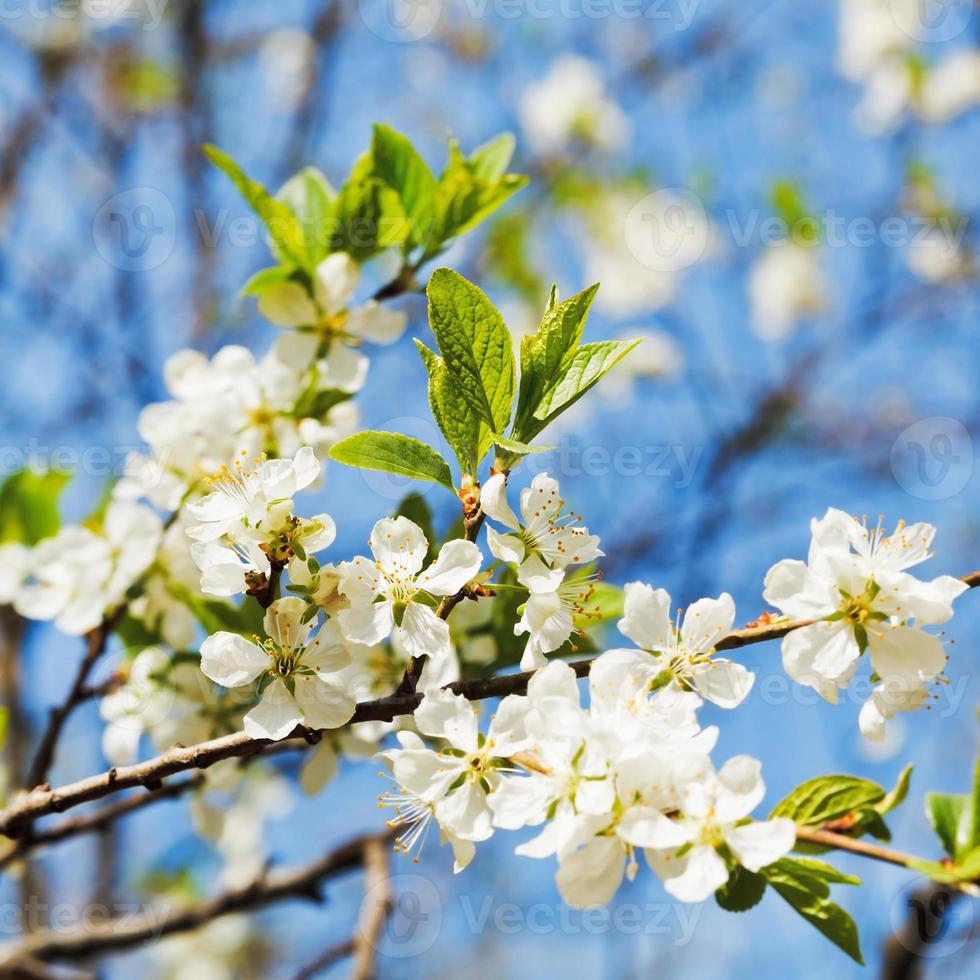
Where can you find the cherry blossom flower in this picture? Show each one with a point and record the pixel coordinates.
(713, 812)
(856, 586)
(390, 594)
(684, 653)
(297, 669)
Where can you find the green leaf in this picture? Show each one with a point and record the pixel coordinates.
(4, 723)
(808, 867)
(475, 345)
(548, 353)
(310, 197)
(265, 279)
(283, 226)
(972, 831)
(468, 436)
(367, 217)
(808, 893)
(511, 451)
(468, 191)
(826, 798)
(398, 164)
(490, 160)
(392, 452)
(743, 890)
(591, 363)
(949, 815)
(29, 506)
(895, 797)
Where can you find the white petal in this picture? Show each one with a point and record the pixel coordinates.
(905, 652)
(647, 617)
(231, 661)
(822, 656)
(443, 714)
(493, 500)
(399, 545)
(376, 323)
(741, 788)
(520, 801)
(590, 876)
(541, 500)
(692, 878)
(458, 562)
(505, 547)
(707, 621)
(760, 843)
(423, 633)
(465, 812)
(275, 716)
(538, 578)
(324, 705)
(644, 826)
(335, 279)
(724, 683)
(796, 591)
(319, 768)
(287, 304)
(368, 624)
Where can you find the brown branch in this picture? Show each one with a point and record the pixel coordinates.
(41, 801)
(377, 906)
(95, 822)
(125, 933)
(829, 838)
(327, 959)
(905, 951)
(95, 641)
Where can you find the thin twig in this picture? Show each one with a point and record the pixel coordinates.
(94, 822)
(125, 933)
(375, 909)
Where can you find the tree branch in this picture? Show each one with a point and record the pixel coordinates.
(43, 800)
(124, 933)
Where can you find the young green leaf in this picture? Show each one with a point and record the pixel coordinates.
(398, 164)
(29, 506)
(265, 279)
(459, 422)
(896, 796)
(475, 345)
(827, 798)
(950, 818)
(743, 890)
(490, 160)
(282, 224)
(367, 217)
(310, 196)
(392, 452)
(547, 354)
(590, 364)
(809, 893)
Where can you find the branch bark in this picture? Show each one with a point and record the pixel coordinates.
(124, 933)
